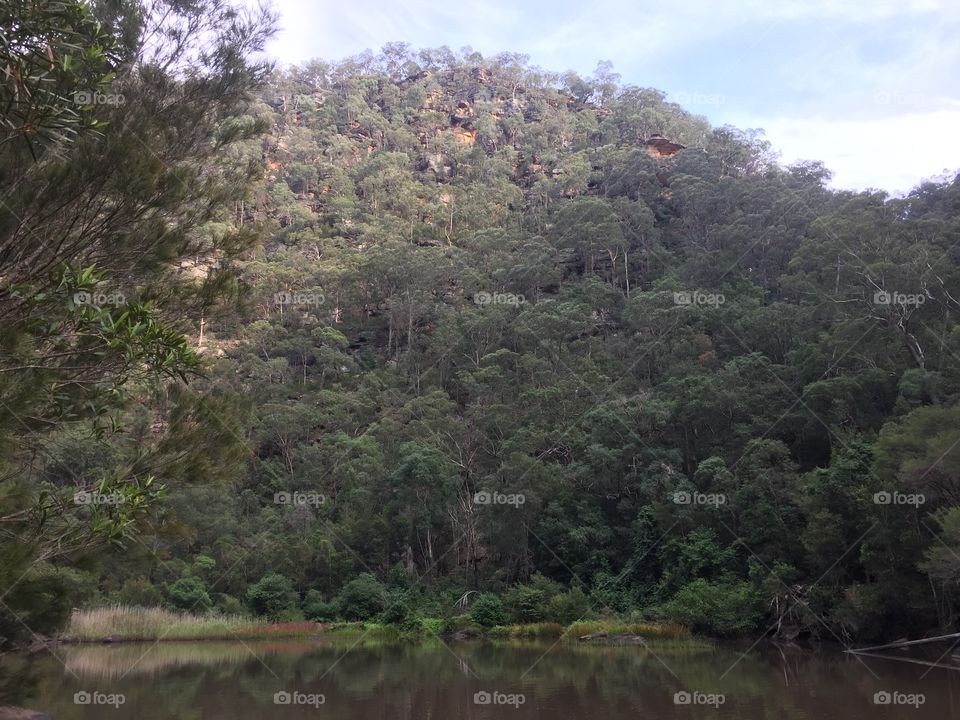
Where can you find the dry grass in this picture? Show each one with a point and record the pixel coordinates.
(668, 631)
(529, 631)
(139, 623)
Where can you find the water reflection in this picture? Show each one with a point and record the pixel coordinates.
(337, 679)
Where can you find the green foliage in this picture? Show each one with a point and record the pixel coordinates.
(487, 611)
(95, 310)
(229, 605)
(486, 334)
(189, 593)
(273, 596)
(318, 609)
(52, 51)
(725, 607)
(140, 592)
(362, 598)
(568, 607)
(528, 603)
(397, 609)
(203, 565)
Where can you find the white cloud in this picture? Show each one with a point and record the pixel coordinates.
(892, 153)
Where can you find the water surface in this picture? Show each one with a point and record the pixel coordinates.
(346, 680)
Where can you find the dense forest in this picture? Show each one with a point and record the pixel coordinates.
(355, 339)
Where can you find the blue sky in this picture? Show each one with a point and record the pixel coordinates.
(871, 87)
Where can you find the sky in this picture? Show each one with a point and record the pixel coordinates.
(870, 87)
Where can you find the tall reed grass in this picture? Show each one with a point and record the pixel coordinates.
(139, 623)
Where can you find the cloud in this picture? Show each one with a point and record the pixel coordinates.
(893, 153)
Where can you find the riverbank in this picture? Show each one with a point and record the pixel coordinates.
(131, 624)
(125, 624)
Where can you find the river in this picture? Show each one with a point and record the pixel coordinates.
(346, 679)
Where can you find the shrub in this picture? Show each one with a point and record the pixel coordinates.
(726, 607)
(203, 565)
(189, 593)
(528, 603)
(455, 623)
(274, 597)
(141, 592)
(316, 608)
(229, 605)
(499, 631)
(433, 626)
(487, 610)
(397, 610)
(361, 598)
(289, 615)
(43, 602)
(609, 593)
(568, 607)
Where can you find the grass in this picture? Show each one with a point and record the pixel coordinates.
(531, 631)
(123, 623)
(138, 623)
(651, 631)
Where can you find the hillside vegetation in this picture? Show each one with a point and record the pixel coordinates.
(548, 338)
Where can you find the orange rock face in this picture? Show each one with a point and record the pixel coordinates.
(467, 137)
(660, 147)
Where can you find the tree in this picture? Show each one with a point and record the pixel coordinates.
(273, 596)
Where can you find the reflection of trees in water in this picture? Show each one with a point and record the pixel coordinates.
(221, 680)
(18, 680)
(115, 661)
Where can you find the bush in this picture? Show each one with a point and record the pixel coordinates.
(274, 597)
(456, 623)
(43, 601)
(608, 593)
(528, 603)
(487, 610)
(229, 605)
(318, 609)
(724, 608)
(203, 565)
(291, 614)
(397, 610)
(141, 592)
(568, 607)
(189, 593)
(433, 626)
(362, 598)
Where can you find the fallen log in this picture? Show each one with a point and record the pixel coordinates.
(898, 658)
(905, 643)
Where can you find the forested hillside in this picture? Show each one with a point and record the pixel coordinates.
(480, 326)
